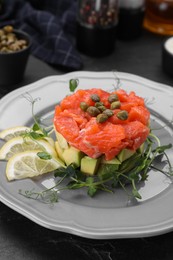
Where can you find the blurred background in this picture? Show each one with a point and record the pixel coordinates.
(62, 30)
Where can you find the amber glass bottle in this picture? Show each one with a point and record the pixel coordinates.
(159, 16)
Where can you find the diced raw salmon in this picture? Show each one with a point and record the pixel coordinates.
(83, 132)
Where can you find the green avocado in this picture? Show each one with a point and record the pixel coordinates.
(141, 148)
(61, 140)
(89, 165)
(59, 150)
(113, 161)
(72, 155)
(125, 154)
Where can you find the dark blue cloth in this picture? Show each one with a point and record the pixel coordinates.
(51, 25)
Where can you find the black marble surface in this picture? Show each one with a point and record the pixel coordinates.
(20, 238)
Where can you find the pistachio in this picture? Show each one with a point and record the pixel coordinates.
(1, 32)
(93, 111)
(95, 98)
(4, 49)
(14, 47)
(22, 43)
(123, 115)
(101, 118)
(112, 98)
(115, 105)
(8, 28)
(4, 43)
(9, 41)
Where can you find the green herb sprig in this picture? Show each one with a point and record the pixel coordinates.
(37, 131)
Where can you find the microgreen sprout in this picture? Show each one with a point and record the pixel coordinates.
(117, 81)
(37, 131)
(73, 84)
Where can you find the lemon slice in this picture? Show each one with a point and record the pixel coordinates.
(28, 165)
(12, 132)
(20, 144)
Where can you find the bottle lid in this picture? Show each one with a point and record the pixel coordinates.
(167, 56)
(131, 4)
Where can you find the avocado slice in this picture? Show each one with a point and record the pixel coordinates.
(89, 165)
(113, 161)
(59, 150)
(125, 154)
(61, 140)
(141, 148)
(72, 155)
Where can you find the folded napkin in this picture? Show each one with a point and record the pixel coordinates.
(51, 25)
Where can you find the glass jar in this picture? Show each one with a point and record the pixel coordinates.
(96, 26)
(131, 15)
(159, 16)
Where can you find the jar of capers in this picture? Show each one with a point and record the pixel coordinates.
(14, 52)
(9, 40)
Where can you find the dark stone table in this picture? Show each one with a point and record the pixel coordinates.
(21, 239)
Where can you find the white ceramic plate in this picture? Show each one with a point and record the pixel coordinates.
(106, 215)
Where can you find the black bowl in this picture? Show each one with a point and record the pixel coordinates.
(13, 64)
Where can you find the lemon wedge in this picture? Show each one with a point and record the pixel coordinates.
(28, 165)
(20, 144)
(12, 132)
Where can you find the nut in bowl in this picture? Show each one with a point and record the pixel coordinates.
(14, 52)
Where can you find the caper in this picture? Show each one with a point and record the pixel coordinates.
(112, 98)
(101, 118)
(108, 112)
(123, 115)
(93, 111)
(115, 104)
(95, 98)
(83, 106)
(98, 104)
(102, 108)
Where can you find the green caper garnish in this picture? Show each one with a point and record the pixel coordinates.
(101, 118)
(102, 108)
(95, 98)
(112, 98)
(115, 104)
(84, 106)
(93, 111)
(123, 115)
(98, 104)
(108, 112)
